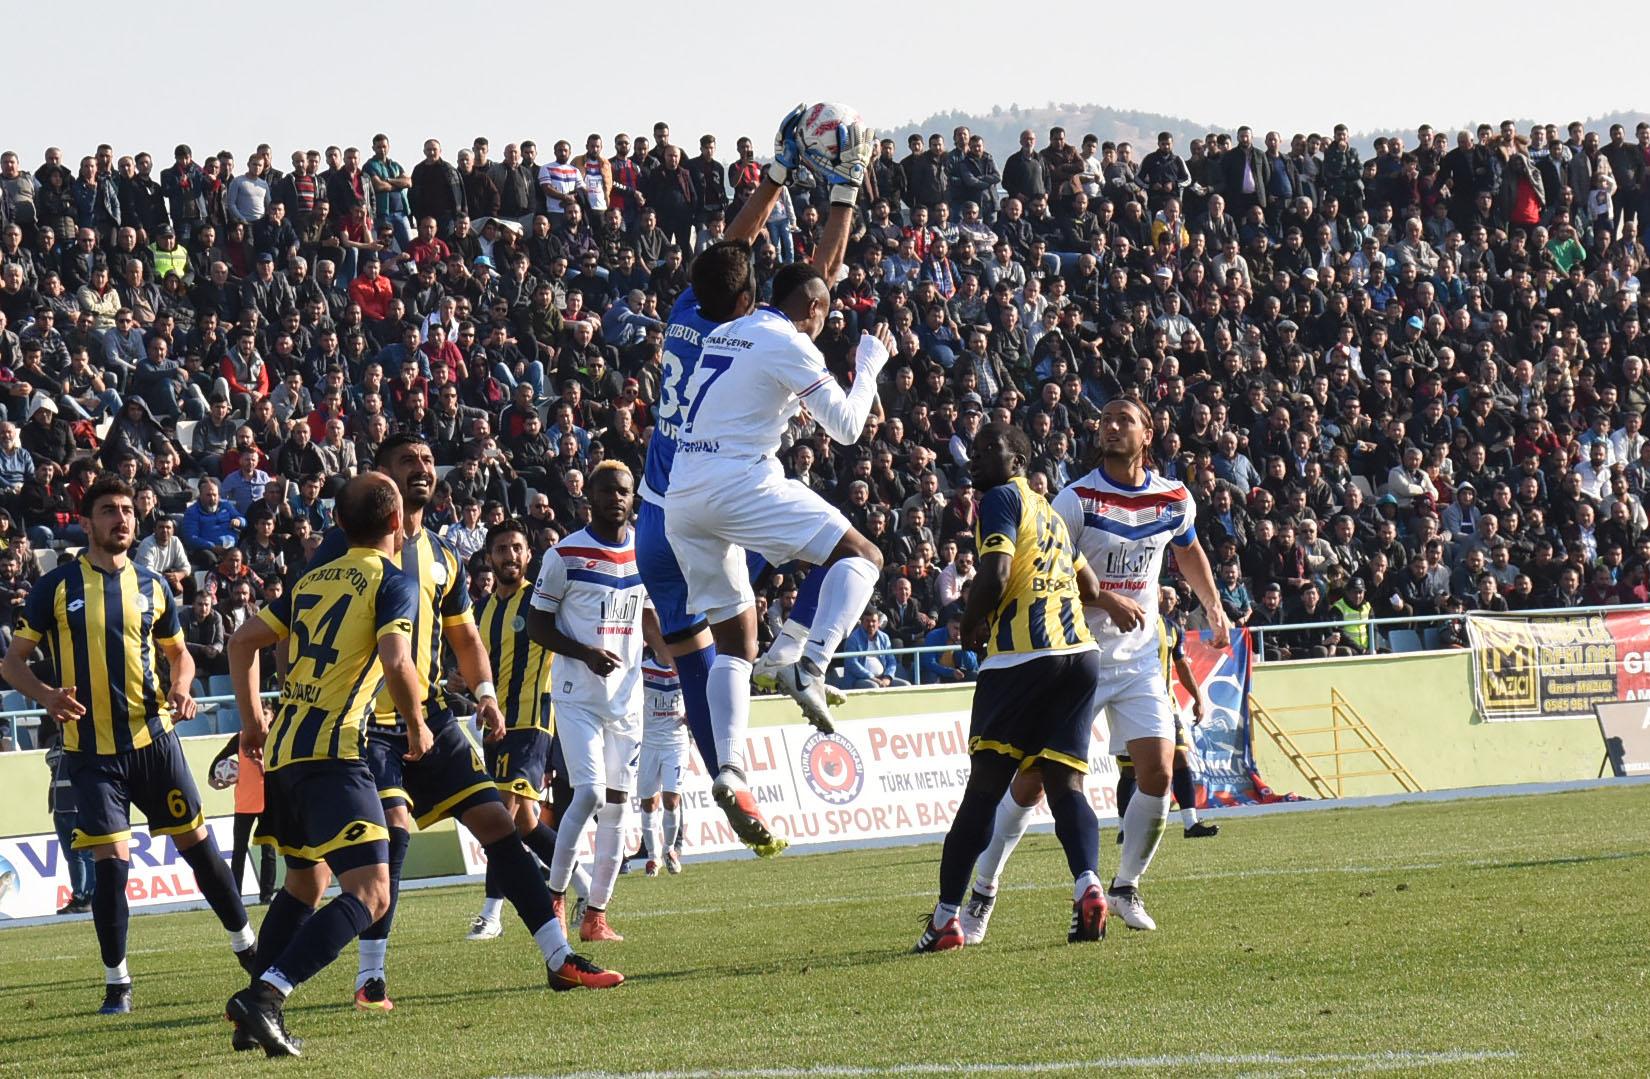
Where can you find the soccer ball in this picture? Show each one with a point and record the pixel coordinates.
(225, 773)
(824, 128)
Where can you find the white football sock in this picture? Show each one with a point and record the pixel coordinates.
(786, 648)
(728, 693)
(673, 826)
(116, 975)
(1188, 816)
(1142, 828)
(568, 832)
(1086, 880)
(944, 912)
(243, 938)
(842, 598)
(552, 941)
(650, 835)
(369, 960)
(609, 853)
(491, 909)
(1011, 823)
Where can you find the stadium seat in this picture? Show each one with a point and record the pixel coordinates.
(186, 434)
(1362, 483)
(200, 579)
(103, 427)
(442, 470)
(45, 560)
(1404, 640)
(1433, 638)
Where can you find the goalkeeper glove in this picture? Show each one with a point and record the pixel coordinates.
(787, 146)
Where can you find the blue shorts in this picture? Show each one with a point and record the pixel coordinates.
(155, 778)
(660, 572)
(518, 762)
(324, 810)
(445, 782)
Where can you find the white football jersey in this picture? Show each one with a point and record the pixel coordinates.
(752, 376)
(595, 592)
(664, 720)
(1122, 533)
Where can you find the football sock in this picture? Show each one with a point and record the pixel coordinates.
(492, 907)
(380, 930)
(492, 893)
(807, 601)
(970, 832)
(579, 810)
(944, 912)
(369, 959)
(1077, 828)
(787, 645)
(217, 887)
(110, 914)
(609, 853)
(843, 595)
(1184, 792)
(1142, 828)
(520, 881)
(1125, 786)
(673, 830)
(1088, 879)
(551, 938)
(117, 974)
(693, 670)
(286, 915)
(729, 693)
(319, 942)
(1011, 823)
(542, 842)
(651, 836)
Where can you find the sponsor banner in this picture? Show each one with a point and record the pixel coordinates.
(1558, 667)
(34, 874)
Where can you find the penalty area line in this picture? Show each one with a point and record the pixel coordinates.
(1380, 1061)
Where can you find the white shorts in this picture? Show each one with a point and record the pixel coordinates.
(755, 509)
(1136, 702)
(600, 751)
(661, 768)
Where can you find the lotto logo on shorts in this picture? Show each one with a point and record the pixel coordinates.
(832, 768)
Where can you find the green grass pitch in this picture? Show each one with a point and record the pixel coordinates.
(1483, 937)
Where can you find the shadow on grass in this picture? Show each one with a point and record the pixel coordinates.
(1579, 859)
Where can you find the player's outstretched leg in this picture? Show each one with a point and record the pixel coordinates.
(371, 982)
(519, 880)
(1079, 832)
(793, 635)
(221, 892)
(110, 915)
(989, 776)
(1143, 824)
(1014, 814)
(849, 581)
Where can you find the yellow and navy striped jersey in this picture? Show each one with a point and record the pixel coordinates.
(1041, 611)
(443, 601)
(99, 632)
(521, 667)
(332, 621)
(1171, 645)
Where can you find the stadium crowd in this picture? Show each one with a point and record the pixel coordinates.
(1402, 386)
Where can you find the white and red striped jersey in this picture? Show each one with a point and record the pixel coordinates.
(594, 591)
(1122, 532)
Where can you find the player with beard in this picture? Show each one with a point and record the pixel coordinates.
(449, 780)
(104, 624)
(1123, 517)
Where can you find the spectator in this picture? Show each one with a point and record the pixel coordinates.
(878, 669)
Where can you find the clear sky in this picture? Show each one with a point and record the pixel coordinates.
(229, 76)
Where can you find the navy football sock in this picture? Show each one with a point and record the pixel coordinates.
(541, 841)
(109, 909)
(215, 882)
(380, 930)
(518, 879)
(1185, 792)
(321, 939)
(491, 879)
(693, 670)
(1125, 789)
(287, 914)
(1076, 827)
(971, 828)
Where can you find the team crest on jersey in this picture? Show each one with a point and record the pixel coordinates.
(438, 572)
(832, 768)
(518, 623)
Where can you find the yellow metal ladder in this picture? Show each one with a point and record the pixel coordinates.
(1346, 736)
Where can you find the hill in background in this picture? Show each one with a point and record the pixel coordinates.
(1001, 127)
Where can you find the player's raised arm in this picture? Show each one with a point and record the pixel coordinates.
(267, 629)
(845, 172)
(752, 219)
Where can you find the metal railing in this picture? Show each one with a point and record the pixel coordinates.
(1260, 632)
